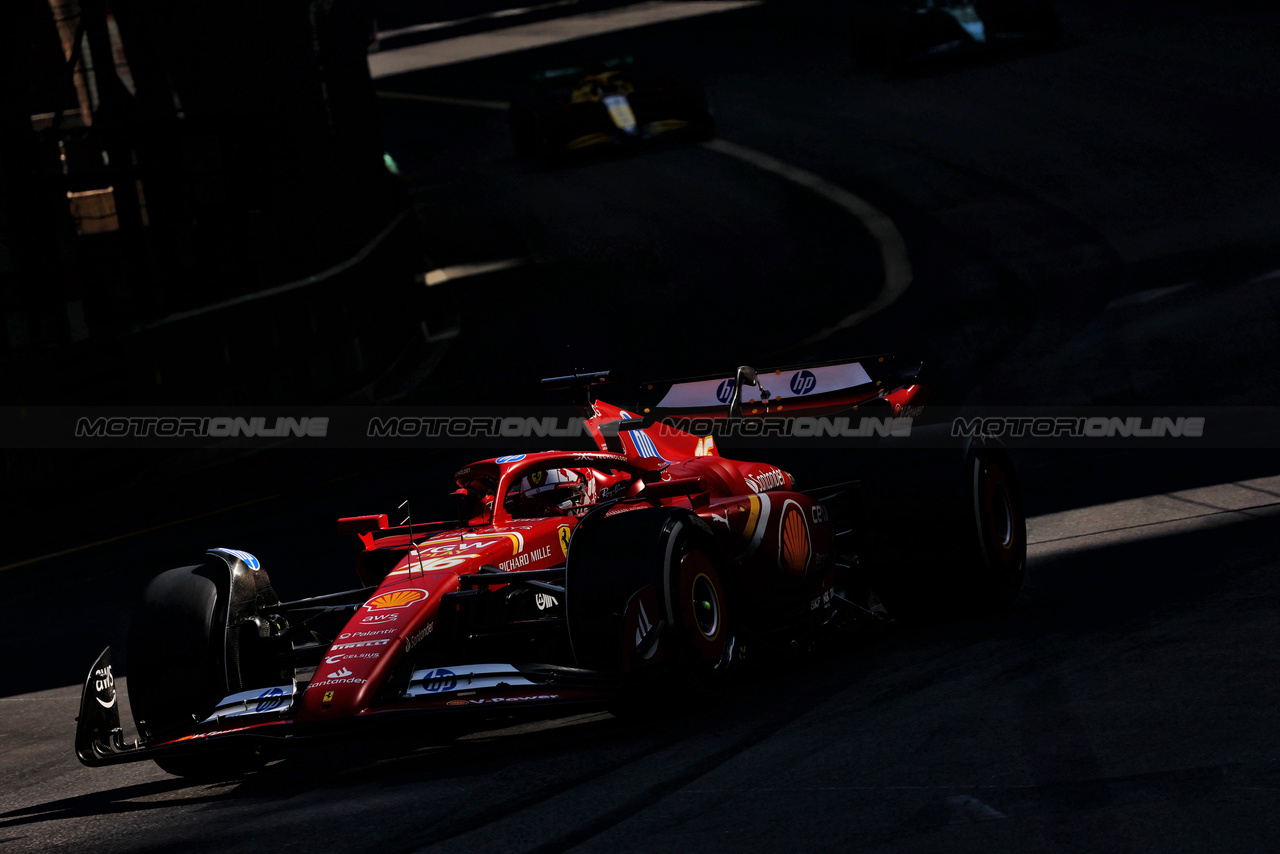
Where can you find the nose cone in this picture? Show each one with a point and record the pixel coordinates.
(357, 664)
(344, 682)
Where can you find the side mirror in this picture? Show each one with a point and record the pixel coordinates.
(460, 504)
(362, 524)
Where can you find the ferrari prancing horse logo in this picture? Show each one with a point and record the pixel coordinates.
(564, 533)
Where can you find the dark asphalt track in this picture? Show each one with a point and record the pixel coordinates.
(1051, 203)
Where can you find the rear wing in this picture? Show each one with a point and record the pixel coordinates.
(816, 389)
(813, 389)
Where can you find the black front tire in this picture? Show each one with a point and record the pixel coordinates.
(177, 667)
(667, 556)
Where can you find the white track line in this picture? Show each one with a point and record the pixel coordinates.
(488, 16)
(384, 63)
(1153, 516)
(1149, 295)
(462, 271)
(441, 99)
(896, 261)
(288, 286)
(146, 530)
(893, 249)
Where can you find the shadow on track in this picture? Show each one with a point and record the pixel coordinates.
(1129, 675)
(114, 802)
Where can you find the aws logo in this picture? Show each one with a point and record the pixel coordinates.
(104, 687)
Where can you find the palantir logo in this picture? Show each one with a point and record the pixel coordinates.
(270, 700)
(440, 679)
(724, 391)
(803, 382)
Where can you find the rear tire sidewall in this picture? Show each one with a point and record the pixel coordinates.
(1000, 528)
(949, 540)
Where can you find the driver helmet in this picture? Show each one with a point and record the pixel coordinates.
(558, 489)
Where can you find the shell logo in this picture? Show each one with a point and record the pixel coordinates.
(793, 551)
(395, 599)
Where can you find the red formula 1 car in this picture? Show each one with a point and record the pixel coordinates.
(613, 577)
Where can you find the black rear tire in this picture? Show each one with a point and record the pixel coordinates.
(950, 543)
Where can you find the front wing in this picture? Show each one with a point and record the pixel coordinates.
(471, 691)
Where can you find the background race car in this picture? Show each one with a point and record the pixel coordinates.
(896, 33)
(604, 106)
